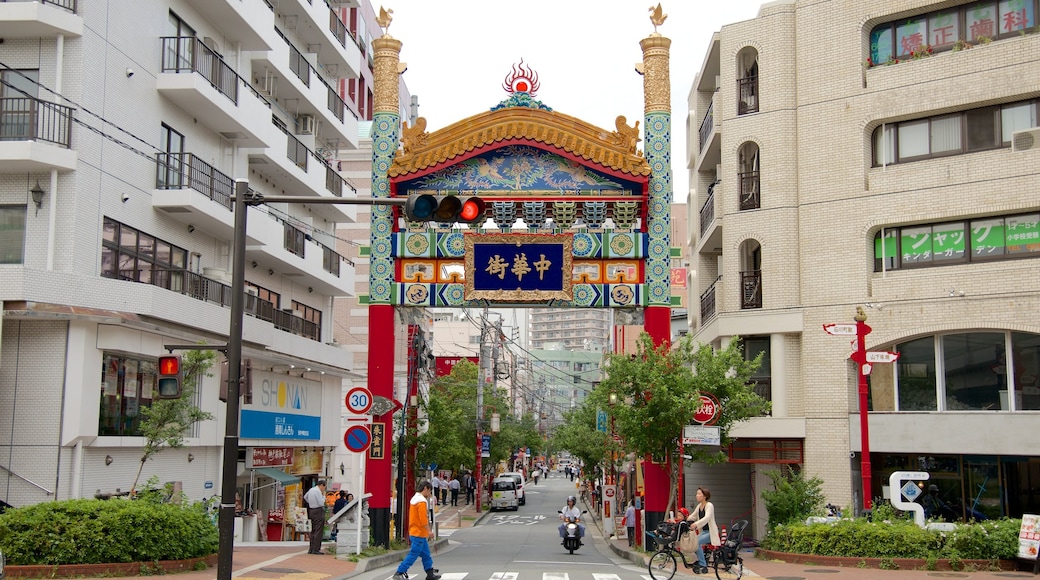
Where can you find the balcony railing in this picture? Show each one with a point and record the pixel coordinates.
(338, 29)
(297, 151)
(750, 194)
(180, 170)
(189, 54)
(69, 5)
(708, 209)
(747, 95)
(333, 181)
(751, 289)
(763, 387)
(29, 119)
(707, 124)
(298, 64)
(708, 301)
(208, 290)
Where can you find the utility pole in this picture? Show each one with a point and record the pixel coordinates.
(482, 377)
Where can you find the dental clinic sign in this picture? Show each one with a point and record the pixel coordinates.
(283, 407)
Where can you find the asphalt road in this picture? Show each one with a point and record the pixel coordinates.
(525, 545)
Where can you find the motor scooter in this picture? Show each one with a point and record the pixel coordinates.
(571, 531)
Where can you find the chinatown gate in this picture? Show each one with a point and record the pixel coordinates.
(594, 209)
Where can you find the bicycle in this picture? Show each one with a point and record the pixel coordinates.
(725, 559)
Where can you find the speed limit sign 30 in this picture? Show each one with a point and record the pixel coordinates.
(359, 400)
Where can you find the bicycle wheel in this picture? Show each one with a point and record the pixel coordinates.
(729, 571)
(662, 566)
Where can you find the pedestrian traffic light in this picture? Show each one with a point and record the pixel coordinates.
(170, 377)
(461, 209)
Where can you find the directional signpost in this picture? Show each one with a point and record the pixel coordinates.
(865, 360)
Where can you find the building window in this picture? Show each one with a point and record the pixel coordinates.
(12, 234)
(129, 254)
(747, 81)
(977, 240)
(749, 177)
(961, 372)
(307, 313)
(127, 386)
(943, 135)
(951, 29)
(170, 168)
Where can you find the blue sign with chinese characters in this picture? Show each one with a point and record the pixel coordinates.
(485, 445)
(518, 267)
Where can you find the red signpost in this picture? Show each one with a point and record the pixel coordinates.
(865, 360)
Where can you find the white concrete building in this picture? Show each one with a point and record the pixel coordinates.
(804, 157)
(124, 127)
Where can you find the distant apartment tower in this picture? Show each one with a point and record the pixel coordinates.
(569, 329)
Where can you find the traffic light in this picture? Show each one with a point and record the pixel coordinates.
(463, 209)
(170, 377)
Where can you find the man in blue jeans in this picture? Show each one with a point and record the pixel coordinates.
(419, 533)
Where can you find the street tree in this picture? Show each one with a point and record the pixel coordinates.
(166, 422)
(578, 435)
(657, 391)
(450, 437)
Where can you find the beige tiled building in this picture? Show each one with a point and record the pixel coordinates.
(804, 156)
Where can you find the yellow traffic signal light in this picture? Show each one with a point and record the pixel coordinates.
(170, 377)
(461, 209)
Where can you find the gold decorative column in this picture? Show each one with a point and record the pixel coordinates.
(387, 57)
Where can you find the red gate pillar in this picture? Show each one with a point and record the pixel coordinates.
(378, 472)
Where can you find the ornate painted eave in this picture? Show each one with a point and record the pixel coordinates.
(612, 150)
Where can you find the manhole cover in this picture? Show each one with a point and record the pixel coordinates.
(282, 570)
(947, 575)
(821, 571)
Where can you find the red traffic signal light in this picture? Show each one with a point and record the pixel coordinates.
(170, 376)
(444, 209)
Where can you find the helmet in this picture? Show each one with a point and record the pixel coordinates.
(571, 499)
(685, 512)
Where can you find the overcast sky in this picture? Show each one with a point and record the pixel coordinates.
(584, 51)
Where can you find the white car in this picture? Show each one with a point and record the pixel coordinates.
(520, 482)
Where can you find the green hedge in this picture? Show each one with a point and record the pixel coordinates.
(988, 540)
(89, 531)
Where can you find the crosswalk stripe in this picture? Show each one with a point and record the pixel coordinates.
(452, 575)
(555, 576)
(504, 575)
(605, 576)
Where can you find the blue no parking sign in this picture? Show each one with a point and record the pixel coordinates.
(357, 438)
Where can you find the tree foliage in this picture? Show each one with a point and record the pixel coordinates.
(578, 435)
(166, 422)
(450, 438)
(658, 391)
(793, 498)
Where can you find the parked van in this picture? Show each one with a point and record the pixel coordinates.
(520, 483)
(503, 494)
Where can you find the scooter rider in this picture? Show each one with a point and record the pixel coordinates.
(568, 513)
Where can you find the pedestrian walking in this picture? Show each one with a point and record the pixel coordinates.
(454, 487)
(419, 532)
(315, 501)
(471, 487)
(436, 483)
(630, 522)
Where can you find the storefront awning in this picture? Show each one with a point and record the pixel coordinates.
(278, 475)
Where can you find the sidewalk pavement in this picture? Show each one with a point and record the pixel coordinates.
(777, 570)
(290, 560)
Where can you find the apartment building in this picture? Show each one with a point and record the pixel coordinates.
(123, 128)
(878, 155)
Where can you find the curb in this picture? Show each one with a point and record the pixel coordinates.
(374, 562)
(876, 563)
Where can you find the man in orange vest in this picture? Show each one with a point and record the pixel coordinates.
(419, 532)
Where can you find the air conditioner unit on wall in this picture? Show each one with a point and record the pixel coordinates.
(252, 291)
(306, 124)
(1026, 139)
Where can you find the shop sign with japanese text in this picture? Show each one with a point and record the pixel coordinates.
(518, 267)
(270, 457)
